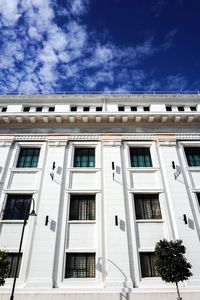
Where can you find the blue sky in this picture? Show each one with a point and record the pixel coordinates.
(52, 46)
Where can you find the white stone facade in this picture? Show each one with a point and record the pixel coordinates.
(111, 125)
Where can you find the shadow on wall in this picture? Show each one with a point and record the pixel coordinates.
(125, 292)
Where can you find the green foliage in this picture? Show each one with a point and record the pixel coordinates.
(171, 263)
(4, 264)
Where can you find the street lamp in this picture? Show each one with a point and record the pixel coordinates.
(33, 214)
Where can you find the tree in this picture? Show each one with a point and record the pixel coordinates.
(4, 264)
(171, 263)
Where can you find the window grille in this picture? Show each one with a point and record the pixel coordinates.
(193, 156)
(82, 207)
(80, 265)
(17, 207)
(148, 260)
(12, 259)
(28, 158)
(140, 157)
(147, 206)
(84, 157)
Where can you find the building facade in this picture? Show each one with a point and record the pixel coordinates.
(110, 176)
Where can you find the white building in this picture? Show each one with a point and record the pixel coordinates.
(110, 175)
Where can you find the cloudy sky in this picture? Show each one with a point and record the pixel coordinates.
(50, 46)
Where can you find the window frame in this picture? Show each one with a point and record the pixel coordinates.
(138, 163)
(150, 255)
(186, 148)
(83, 214)
(75, 255)
(13, 208)
(145, 209)
(28, 147)
(88, 148)
(12, 268)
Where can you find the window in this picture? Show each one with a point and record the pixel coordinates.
(80, 265)
(180, 108)
(193, 108)
(17, 207)
(84, 157)
(26, 108)
(146, 108)
(120, 108)
(4, 109)
(193, 156)
(12, 259)
(86, 108)
(148, 260)
(140, 157)
(133, 108)
(73, 108)
(28, 158)
(82, 207)
(147, 206)
(99, 108)
(52, 108)
(39, 108)
(168, 108)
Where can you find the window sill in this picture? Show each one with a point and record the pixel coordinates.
(25, 170)
(83, 169)
(12, 221)
(150, 221)
(143, 169)
(82, 222)
(196, 169)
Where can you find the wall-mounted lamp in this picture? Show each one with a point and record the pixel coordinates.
(173, 165)
(185, 218)
(46, 220)
(116, 220)
(54, 165)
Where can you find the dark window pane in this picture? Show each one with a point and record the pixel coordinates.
(120, 108)
(26, 108)
(168, 108)
(193, 108)
(84, 157)
(17, 207)
(80, 265)
(148, 260)
(82, 207)
(28, 158)
(198, 197)
(146, 108)
(52, 108)
(12, 259)
(140, 157)
(39, 108)
(180, 108)
(147, 206)
(98, 108)
(86, 108)
(193, 156)
(4, 109)
(133, 108)
(74, 108)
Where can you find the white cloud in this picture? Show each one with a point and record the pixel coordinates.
(9, 12)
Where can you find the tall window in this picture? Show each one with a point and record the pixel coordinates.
(84, 157)
(140, 157)
(147, 206)
(80, 265)
(193, 156)
(148, 260)
(17, 207)
(12, 259)
(82, 207)
(28, 158)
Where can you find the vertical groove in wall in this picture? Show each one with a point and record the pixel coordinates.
(59, 222)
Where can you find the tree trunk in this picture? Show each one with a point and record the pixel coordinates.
(178, 293)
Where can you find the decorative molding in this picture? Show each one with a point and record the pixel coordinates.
(31, 137)
(84, 137)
